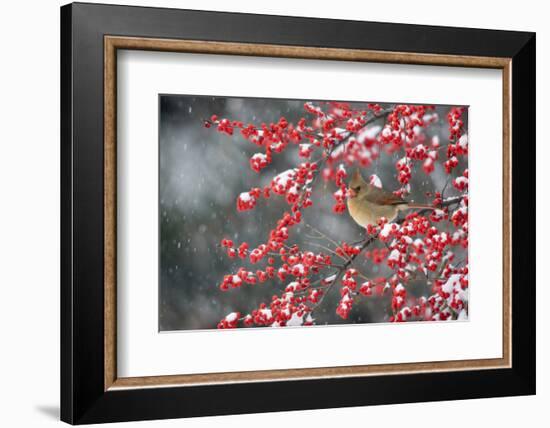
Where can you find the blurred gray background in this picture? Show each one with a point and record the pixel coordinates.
(201, 174)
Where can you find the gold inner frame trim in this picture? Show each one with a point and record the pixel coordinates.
(113, 43)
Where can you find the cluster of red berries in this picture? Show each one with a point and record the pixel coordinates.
(461, 183)
(404, 171)
(230, 321)
(377, 255)
(454, 117)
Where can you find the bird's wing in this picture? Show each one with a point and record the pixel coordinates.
(383, 197)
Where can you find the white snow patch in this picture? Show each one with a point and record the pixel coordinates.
(452, 283)
(266, 312)
(330, 278)
(394, 255)
(299, 267)
(245, 197)
(260, 156)
(385, 232)
(232, 317)
(284, 177)
(294, 320)
(292, 285)
(375, 181)
(461, 180)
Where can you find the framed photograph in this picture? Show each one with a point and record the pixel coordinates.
(258, 207)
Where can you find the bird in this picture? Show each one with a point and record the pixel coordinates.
(367, 203)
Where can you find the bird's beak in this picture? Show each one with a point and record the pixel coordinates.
(351, 193)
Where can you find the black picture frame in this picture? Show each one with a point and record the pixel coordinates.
(83, 396)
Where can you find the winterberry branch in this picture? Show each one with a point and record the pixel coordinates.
(354, 145)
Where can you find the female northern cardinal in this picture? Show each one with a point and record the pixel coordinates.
(368, 203)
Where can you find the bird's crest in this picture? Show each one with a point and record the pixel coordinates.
(356, 179)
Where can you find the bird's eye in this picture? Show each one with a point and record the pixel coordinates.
(356, 189)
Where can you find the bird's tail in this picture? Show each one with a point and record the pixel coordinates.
(420, 206)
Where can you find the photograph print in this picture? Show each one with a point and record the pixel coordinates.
(302, 213)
